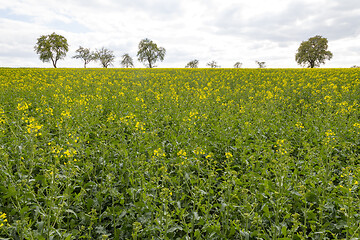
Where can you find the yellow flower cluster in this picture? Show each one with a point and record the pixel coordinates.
(140, 126)
(33, 127)
(228, 155)
(348, 178)
(69, 153)
(330, 137)
(182, 153)
(299, 125)
(2, 120)
(111, 117)
(199, 151)
(280, 146)
(66, 114)
(22, 106)
(158, 153)
(3, 219)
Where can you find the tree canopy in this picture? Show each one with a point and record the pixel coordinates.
(84, 54)
(127, 61)
(313, 52)
(51, 47)
(149, 53)
(192, 64)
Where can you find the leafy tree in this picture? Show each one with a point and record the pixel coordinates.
(261, 64)
(313, 52)
(355, 66)
(237, 65)
(85, 54)
(212, 64)
(149, 53)
(105, 56)
(51, 47)
(192, 64)
(127, 61)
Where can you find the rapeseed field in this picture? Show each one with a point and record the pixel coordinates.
(179, 153)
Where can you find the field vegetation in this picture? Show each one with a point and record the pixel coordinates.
(179, 153)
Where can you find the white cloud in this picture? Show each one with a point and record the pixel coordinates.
(226, 31)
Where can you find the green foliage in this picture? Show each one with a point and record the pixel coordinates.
(179, 154)
(85, 55)
(127, 61)
(149, 53)
(313, 52)
(105, 56)
(192, 64)
(52, 47)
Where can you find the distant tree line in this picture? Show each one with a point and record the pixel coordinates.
(54, 47)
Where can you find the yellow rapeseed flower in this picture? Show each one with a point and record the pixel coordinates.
(2, 219)
(23, 106)
(181, 153)
(228, 155)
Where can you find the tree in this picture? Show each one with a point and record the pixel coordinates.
(127, 61)
(212, 64)
(51, 47)
(192, 64)
(313, 52)
(85, 54)
(105, 56)
(261, 64)
(149, 53)
(237, 65)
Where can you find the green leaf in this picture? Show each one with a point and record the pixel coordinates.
(174, 228)
(11, 191)
(284, 231)
(266, 211)
(23, 210)
(197, 234)
(68, 237)
(196, 216)
(71, 211)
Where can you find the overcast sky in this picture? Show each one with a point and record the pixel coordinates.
(226, 31)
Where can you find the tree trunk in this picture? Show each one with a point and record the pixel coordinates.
(312, 64)
(53, 62)
(150, 66)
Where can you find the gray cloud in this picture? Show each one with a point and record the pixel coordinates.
(224, 31)
(297, 22)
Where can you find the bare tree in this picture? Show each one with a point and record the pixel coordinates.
(105, 56)
(212, 64)
(261, 64)
(237, 65)
(84, 54)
